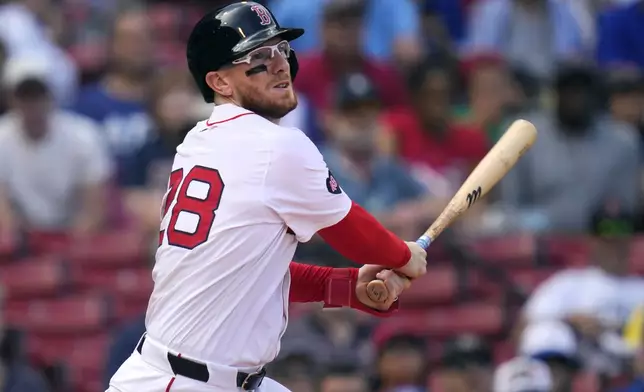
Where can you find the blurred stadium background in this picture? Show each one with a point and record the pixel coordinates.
(403, 97)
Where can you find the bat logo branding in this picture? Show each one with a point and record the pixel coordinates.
(473, 196)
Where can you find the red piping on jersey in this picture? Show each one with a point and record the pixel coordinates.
(209, 124)
(362, 239)
(167, 389)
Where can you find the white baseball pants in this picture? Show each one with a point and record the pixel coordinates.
(151, 372)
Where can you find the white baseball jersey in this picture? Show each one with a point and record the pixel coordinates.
(242, 193)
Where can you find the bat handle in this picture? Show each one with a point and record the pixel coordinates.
(424, 241)
(376, 289)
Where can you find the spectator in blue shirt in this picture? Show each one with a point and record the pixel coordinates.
(117, 102)
(146, 171)
(532, 34)
(620, 35)
(392, 27)
(125, 340)
(380, 184)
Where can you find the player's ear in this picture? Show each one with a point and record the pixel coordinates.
(218, 82)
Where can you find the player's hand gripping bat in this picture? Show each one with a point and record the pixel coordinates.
(497, 163)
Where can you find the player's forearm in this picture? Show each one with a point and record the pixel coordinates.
(336, 287)
(362, 239)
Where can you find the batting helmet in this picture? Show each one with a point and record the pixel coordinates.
(229, 33)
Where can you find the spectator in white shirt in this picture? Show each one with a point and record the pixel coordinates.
(53, 168)
(596, 300)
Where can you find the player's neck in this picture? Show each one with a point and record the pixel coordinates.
(224, 100)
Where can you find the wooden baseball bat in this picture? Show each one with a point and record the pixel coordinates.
(518, 139)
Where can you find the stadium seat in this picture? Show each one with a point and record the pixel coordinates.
(478, 318)
(35, 277)
(40, 243)
(508, 250)
(115, 249)
(529, 279)
(8, 247)
(85, 356)
(566, 251)
(504, 351)
(80, 314)
(439, 285)
(586, 382)
(636, 260)
(130, 283)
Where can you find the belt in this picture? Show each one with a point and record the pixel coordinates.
(199, 371)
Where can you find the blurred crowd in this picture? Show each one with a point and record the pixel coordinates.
(403, 98)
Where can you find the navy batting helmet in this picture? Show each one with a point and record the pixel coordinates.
(229, 33)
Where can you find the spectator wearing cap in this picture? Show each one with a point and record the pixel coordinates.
(620, 31)
(391, 28)
(339, 55)
(24, 34)
(532, 34)
(595, 300)
(402, 365)
(581, 159)
(440, 151)
(343, 376)
(626, 96)
(53, 165)
(329, 335)
(522, 374)
(467, 365)
(554, 343)
(296, 371)
(380, 183)
(118, 102)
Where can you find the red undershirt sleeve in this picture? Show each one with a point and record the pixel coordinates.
(362, 239)
(336, 287)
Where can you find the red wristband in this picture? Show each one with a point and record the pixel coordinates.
(341, 292)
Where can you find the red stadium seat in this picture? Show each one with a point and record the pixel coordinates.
(439, 285)
(36, 277)
(8, 247)
(40, 243)
(636, 260)
(115, 249)
(127, 309)
(477, 318)
(586, 382)
(508, 250)
(529, 279)
(130, 283)
(68, 315)
(85, 356)
(504, 351)
(567, 251)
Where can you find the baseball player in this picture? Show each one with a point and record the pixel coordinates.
(242, 193)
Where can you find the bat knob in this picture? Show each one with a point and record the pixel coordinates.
(377, 291)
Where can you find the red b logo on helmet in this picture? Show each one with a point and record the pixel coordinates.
(264, 16)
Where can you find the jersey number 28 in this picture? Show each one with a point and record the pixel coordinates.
(204, 208)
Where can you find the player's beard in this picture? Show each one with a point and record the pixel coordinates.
(254, 101)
